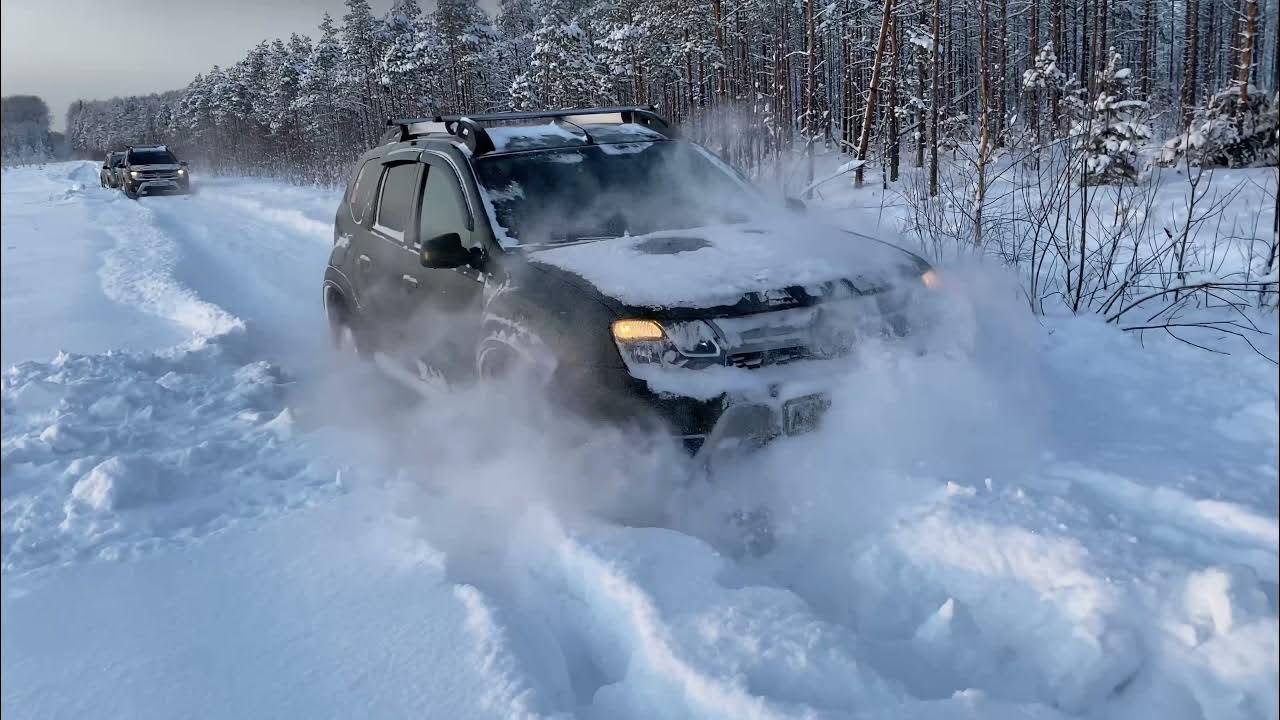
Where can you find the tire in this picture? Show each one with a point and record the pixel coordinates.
(130, 193)
(343, 335)
(508, 348)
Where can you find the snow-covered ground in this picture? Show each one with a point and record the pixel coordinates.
(205, 513)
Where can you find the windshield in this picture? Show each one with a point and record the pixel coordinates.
(117, 158)
(611, 190)
(151, 157)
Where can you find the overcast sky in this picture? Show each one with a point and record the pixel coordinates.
(64, 50)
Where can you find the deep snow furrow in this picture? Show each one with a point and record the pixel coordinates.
(113, 454)
(292, 220)
(140, 272)
(647, 608)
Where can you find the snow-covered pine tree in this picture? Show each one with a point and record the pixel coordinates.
(562, 70)
(1230, 131)
(1111, 128)
(319, 95)
(402, 67)
(362, 49)
(467, 42)
(1045, 75)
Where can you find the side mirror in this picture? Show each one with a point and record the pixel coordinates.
(796, 204)
(446, 251)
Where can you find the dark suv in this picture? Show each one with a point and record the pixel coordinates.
(109, 174)
(636, 273)
(153, 169)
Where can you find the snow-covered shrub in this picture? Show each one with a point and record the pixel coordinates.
(1045, 73)
(1230, 132)
(1110, 129)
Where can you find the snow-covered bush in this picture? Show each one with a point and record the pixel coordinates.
(1045, 73)
(1110, 129)
(1230, 132)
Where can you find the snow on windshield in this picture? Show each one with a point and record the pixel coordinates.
(595, 191)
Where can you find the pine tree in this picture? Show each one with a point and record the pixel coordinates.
(1237, 128)
(1111, 128)
(562, 70)
(362, 49)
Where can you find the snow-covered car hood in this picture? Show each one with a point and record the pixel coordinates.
(718, 265)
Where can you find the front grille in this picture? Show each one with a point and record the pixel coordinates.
(157, 175)
(764, 358)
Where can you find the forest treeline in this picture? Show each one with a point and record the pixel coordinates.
(25, 136)
(892, 80)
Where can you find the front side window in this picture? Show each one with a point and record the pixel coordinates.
(395, 202)
(442, 208)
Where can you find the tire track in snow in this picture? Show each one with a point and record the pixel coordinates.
(110, 454)
(140, 271)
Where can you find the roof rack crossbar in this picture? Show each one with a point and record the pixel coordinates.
(470, 128)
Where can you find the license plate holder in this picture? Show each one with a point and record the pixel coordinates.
(804, 414)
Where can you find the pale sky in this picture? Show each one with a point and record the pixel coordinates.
(64, 50)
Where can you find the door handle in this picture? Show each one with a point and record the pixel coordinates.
(365, 262)
(409, 281)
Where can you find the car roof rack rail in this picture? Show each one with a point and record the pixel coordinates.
(471, 128)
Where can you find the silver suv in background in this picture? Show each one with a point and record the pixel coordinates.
(109, 175)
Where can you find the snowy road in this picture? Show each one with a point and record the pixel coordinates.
(1059, 523)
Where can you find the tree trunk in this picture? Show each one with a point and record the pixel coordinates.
(984, 123)
(922, 80)
(1148, 46)
(1002, 109)
(933, 101)
(1033, 47)
(1190, 62)
(864, 137)
(810, 73)
(895, 143)
(1247, 43)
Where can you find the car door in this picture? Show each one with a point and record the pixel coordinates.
(386, 292)
(450, 301)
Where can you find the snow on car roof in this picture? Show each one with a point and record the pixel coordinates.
(563, 135)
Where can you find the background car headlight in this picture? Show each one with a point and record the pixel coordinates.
(931, 279)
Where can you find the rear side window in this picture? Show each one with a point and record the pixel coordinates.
(360, 192)
(395, 203)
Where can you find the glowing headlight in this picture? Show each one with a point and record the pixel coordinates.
(134, 174)
(931, 279)
(637, 331)
(641, 342)
(181, 171)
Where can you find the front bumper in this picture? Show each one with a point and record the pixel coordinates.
(161, 183)
(732, 408)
